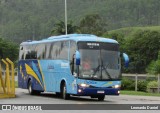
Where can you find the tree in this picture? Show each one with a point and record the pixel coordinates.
(92, 24)
(8, 50)
(59, 28)
(154, 68)
(142, 48)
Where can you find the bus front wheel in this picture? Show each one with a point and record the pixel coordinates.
(101, 97)
(64, 92)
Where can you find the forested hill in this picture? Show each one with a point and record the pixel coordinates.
(142, 44)
(34, 19)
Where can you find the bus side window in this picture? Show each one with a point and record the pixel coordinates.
(33, 55)
(21, 53)
(27, 52)
(47, 50)
(40, 51)
(22, 57)
(28, 56)
(55, 50)
(64, 50)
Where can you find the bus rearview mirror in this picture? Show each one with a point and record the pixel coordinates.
(126, 60)
(78, 59)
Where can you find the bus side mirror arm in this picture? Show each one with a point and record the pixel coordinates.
(126, 59)
(72, 64)
(78, 58)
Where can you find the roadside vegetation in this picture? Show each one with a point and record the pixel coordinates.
(142, 85)
(9, 50)
(138, 93)
(140, 43)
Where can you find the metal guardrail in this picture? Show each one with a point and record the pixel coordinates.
(137, 77)
(7, 81)
(140, 76)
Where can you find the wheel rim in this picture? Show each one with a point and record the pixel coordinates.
(30, 89)
(64, 92)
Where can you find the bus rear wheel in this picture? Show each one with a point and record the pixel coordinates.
(64, 92)
(30, 89)
(101, 97)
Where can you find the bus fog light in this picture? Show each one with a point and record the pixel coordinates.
(79, 90)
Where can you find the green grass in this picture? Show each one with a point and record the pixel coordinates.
(128, 32)
(138, 93)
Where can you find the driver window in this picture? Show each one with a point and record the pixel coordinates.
(72, 52)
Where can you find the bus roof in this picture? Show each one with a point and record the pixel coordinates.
(75, 37)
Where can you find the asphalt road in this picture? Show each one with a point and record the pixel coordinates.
(22, 97)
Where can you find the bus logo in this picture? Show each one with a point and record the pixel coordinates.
(50, 67)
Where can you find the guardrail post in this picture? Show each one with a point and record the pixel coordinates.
(1, 78)
(12, 74)
(136, 81)
(7, 76)
(158, 83)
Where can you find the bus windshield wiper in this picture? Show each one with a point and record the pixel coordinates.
(105, 69)
(97, 69)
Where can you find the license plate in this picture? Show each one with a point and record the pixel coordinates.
(100, 92)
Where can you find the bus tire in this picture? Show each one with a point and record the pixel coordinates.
(93, 96)
(30, 89)
(64, 92)
(101, 97)
(58, 94)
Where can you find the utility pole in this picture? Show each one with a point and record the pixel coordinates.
(66, 16)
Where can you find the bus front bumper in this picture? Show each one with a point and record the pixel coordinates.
(97, 91)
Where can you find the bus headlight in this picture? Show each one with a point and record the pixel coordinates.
(83, 85)
(117, 86)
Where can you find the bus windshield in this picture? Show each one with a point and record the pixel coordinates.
(99, 60)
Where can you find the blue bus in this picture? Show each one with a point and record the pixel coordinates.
(74, 64)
